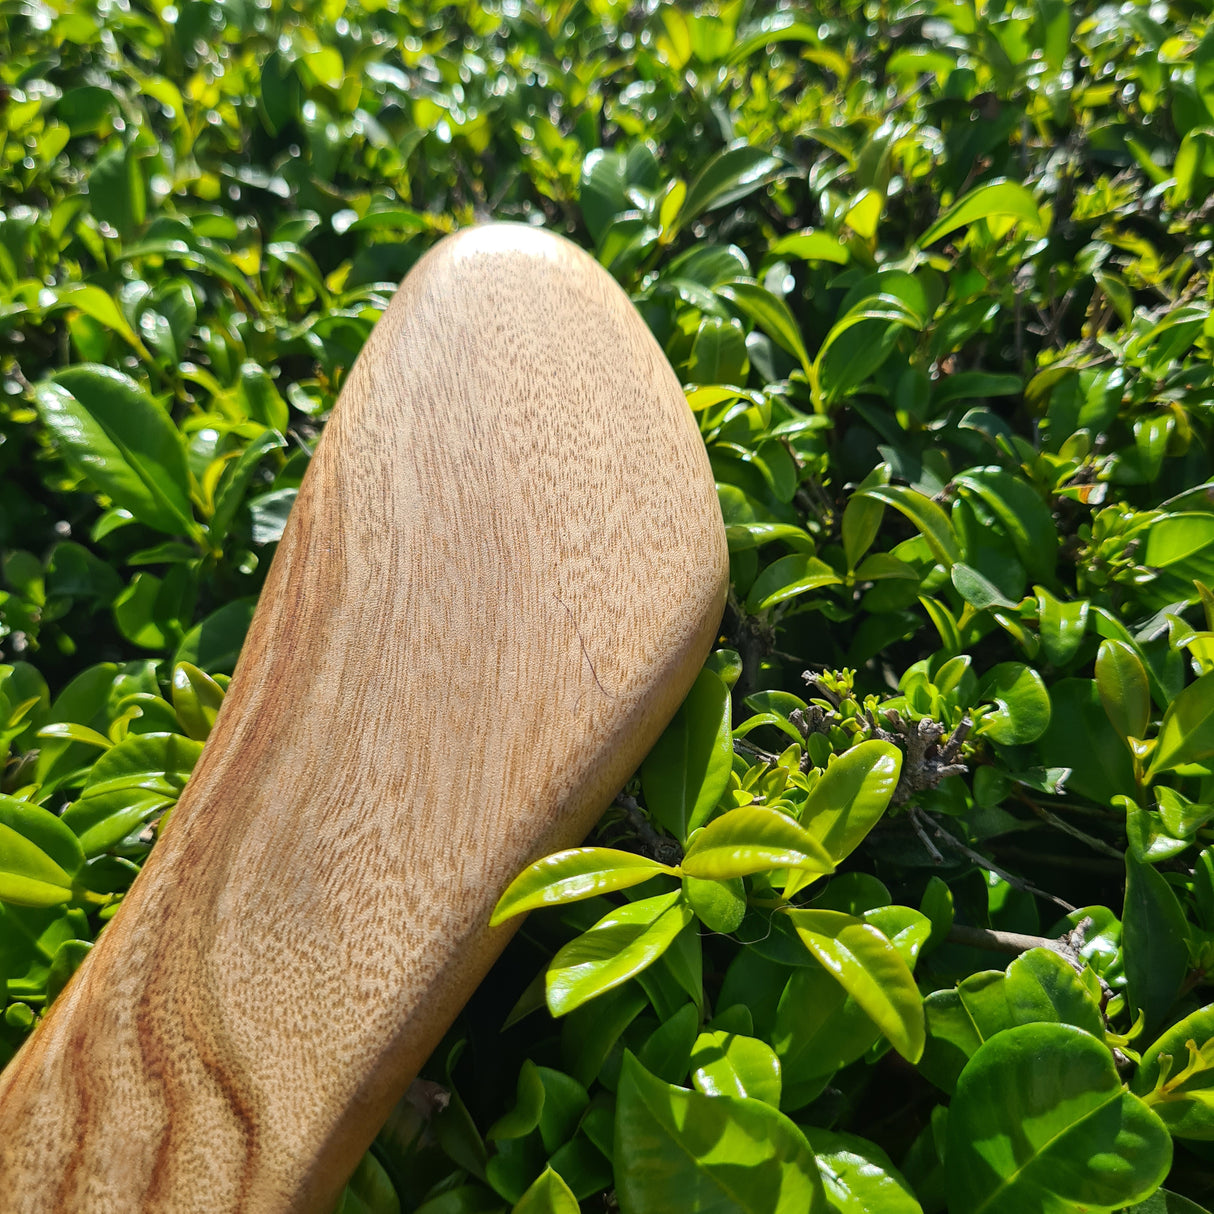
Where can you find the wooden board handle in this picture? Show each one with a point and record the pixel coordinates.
(503, 571)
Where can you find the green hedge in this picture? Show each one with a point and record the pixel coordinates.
(936, 277)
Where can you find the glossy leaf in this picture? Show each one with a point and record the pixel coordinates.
(1040, 1121)
(1022, 704)
(753, 839)
(858, 1176)
(569, 876)
(726, 1064)
(109, 428)
(1124, 690)
(548, 1195)
(1154, 934)
(681, 1150)
(615, 949)
(39, 856)
(851, 796)
(869, 968)
(196, 700)
(727, 177)
(932, 522)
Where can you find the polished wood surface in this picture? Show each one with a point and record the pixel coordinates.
(503, 571)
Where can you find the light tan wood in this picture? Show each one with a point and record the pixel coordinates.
(503, 571)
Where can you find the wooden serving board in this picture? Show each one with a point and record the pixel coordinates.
(504, 569)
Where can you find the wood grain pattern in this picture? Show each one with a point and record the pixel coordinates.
(503, 571)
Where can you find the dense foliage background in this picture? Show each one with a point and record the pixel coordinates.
(937, 276)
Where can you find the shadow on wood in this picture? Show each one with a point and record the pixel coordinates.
(503, 571)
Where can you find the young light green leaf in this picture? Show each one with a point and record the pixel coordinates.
(39, 855)
(1040, 1121)
(1125, 693)
(870, 969)
(548, 1195)
(851, 795)
(858, 1175)
(1060, 625)
(726, 1064)
(618, 947)
(753, 839)
(569, 876)
(129, 448)
(197, 699)
(719, 905)
(1178, 1082)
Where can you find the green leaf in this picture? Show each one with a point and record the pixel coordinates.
(1000, 197)
(569, 876)
(1186, 734)
(819, 1028)
(1080, 737)
(157, 762)
(863, 961)
(1021, 512)
(236, 483)
(1022, 704)
(718, 354)
(66, 962)
(39, 855)
(1188, 1107)
(959, 1021)
(681, 1150)
(1042, 986)
(197, 699)
(94, 302)
(618, 947)
(726, 1064)
(753, 839)
(116, 436)
(932, 522)
(548, 1195)
(369, 1191)
(977, 590)
(1060, 625)
(851, 795)
(810, 246)
(214, 645)
(1040, 1121)
(770, 313)
(727, 177)
(797, 573)
(688, 768)
(1154, 934)
(1125, 693)
(719, 905)
(104, 820)
(858, 1175)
